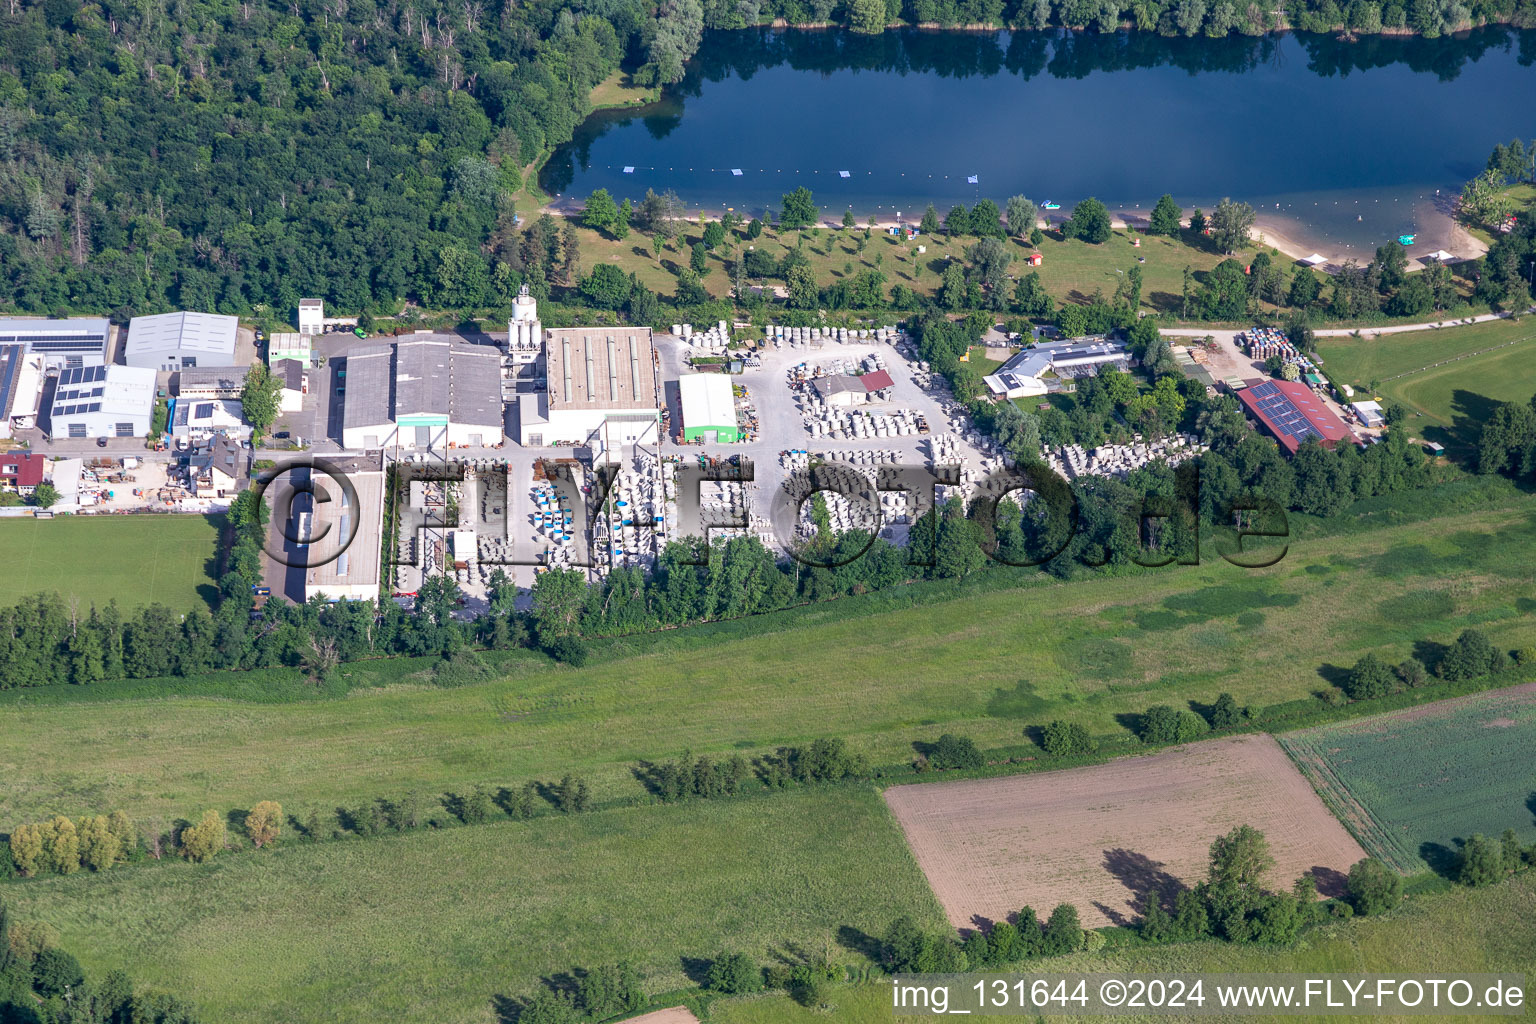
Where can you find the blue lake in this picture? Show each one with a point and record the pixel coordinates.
(1336, 143)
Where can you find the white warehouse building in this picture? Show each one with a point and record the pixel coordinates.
(1043, 368)
(176, 341)
(103, 401)
(602, 391)
(425, 391)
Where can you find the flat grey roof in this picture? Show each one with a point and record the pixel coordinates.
(601, 368)
(183, 332)
(430, 374)
(370, 386)
(359, 564)
(202, 378)
(10, 373)
(421, 376)
(54, 337)
(474, 383)
(17, 328)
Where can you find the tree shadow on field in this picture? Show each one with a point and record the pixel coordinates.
(1330, 882)
(1530, 804)
(696, 968)
(1333, 675)
(1130, 720)
(1442, 860)
(1429, 652)
(507, 1009)
(981, 924)
(1469, 411)
(856, 940)
(1141, 876)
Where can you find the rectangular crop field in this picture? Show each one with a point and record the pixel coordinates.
(136, 559)
(431, 927)
(1102, 837)
(1411, 783)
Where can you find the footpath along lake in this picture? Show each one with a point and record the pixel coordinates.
(1339, 146)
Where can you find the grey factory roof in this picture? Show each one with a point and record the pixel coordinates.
(424, 375)
(211, 333)
(210, 378)
(11, 357)
(837, 384)
(475, 384)
(601, 368)
(57, 337)
(421, 376)
(370, 386)
(289, 371)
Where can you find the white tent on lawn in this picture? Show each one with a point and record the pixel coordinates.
(1439, 256)
(1314, 260)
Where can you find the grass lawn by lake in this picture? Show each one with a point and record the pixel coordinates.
(878, 671)
(1489, 930)
(617, 90)
(1448, 379)
(430, 927)
(1072, 270)
(136, 559)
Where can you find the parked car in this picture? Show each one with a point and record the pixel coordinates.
(101, 442)
(281, 435)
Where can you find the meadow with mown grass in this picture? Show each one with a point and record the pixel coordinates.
(1448, 380)
(990, 660)
(432, 927)
(134, 560)
(1071, 270)
(1490, 930)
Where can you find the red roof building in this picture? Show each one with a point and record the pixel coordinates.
(21, 471)
(877, 381)
(1292, 414)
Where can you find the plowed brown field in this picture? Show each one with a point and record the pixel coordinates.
(1101, 837)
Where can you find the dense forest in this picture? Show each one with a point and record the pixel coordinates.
(237, 155)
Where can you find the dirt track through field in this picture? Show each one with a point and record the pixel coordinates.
(1102, 837)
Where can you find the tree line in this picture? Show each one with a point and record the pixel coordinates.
(41, 982)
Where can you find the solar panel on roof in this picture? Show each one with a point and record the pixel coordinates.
(204, 411)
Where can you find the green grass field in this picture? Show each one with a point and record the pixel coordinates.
(987, 664)
(1072, 270)
(1489, 930)
(1410, 784)
(1447, 379)
(135, 559)
(429, 927)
